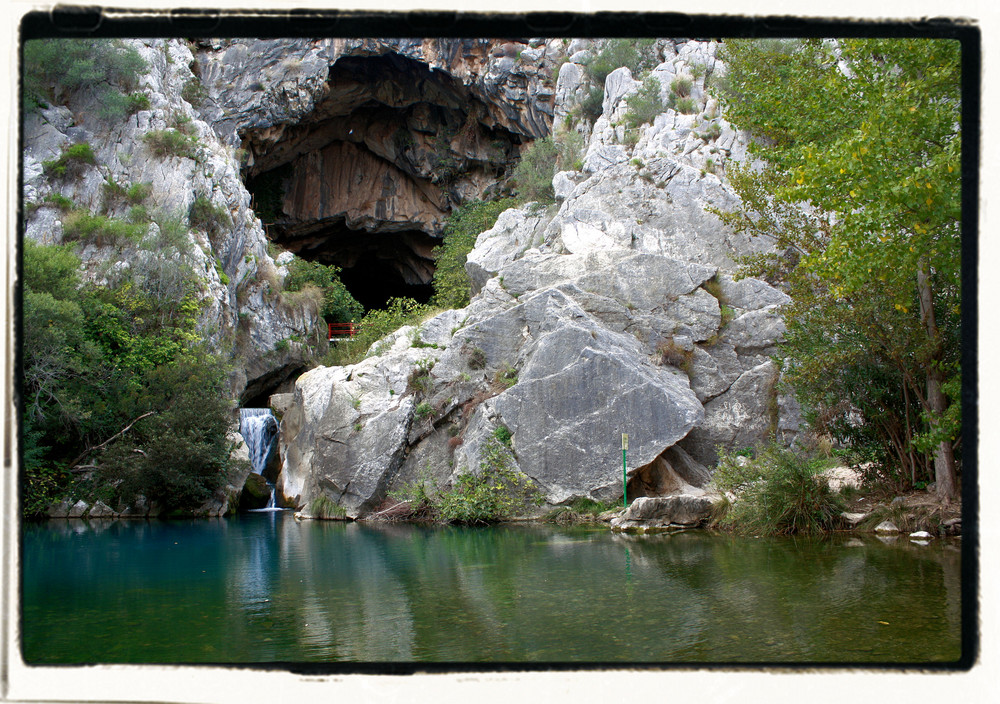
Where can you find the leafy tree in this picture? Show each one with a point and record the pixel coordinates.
(451, 283)
(125, 356)
(865, 133)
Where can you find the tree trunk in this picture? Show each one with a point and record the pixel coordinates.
(945, 474)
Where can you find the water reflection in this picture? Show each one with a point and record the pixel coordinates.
(267, 588)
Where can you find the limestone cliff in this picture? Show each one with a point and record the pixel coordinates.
(612, 311)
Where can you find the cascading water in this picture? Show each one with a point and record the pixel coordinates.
(259, 429)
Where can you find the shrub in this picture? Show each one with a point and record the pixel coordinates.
(593, 103)
(499, 491)
(636, 54)
(464, 225)
(503, 434)
(55, 68)
(776, 492)
(73, 155)
(681, 86)
(686, 106)
(337, 303)
(60, 201)
(194, 92)
(674, 355)
(533, 173)
(205, 215)
(570, 147)
(170, 143)
(422, 410)
(505, 377)
(645, 104)
(477, 358)
(100, 230)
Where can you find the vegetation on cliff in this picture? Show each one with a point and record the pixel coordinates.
(867, 133)
(120, 396)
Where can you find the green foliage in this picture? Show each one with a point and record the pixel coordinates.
(593, 103)
(681, 87)
(423, 410)
(645, 104)
(374, 326)
(97, 361)
(776, 492)
(636, 54)
(505, 377)
(71, 157)
(876, 152)
(178, 456)
(171, 143)
(60, 201)
(205, 215)
(339, 306)
(101, 230)
(498, 492)
(533, 173)
(464, 225)
(194, 92)
(686, 106)
(570, 146)
(55, 68)
(503, 434)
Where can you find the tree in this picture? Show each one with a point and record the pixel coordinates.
(859, 188)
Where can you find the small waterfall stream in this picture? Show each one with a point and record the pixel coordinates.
(259, 429)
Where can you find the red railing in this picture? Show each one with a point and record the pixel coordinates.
(342, 330)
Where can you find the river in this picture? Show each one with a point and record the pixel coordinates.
(264, 588)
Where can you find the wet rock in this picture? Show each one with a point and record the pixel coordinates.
(60, 509)
(255, 493)
(886, 527)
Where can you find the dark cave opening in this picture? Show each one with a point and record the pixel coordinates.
(373, 281)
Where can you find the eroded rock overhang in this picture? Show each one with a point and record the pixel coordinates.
(356, 150)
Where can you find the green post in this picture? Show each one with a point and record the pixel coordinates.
(624, 471)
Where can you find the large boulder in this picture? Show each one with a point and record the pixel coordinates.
(679, 510)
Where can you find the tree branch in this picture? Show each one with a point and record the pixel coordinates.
(120, 432)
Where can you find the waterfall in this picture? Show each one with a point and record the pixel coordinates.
(259, 429)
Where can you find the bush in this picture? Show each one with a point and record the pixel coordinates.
(75, 154)
(374, 326)
(593, 103)
(338, 305)
(464, 225)
(676, 356)
(100, 230)
(499, 491)
(207, 216)
(570, 147)
(54, 68)
(533, 173)
(645, 104)
(776, 492)
(194, 92)
(636, 54)
(686, 106)
(170, 143)
(681, 87)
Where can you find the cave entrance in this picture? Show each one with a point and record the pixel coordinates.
(373, 281)
(366, 180)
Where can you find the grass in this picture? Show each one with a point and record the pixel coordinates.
(325, 508)
(72, 156)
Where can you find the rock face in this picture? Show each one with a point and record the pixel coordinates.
(356, 149)
(613, 311)
(243, 314)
